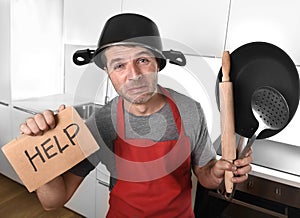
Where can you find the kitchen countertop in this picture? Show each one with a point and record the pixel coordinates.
(277, 161)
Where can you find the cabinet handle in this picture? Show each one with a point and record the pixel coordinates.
(103, 183)
(4, 103)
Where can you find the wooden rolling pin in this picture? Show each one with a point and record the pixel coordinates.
(228, 138)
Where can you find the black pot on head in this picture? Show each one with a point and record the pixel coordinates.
(130, 29)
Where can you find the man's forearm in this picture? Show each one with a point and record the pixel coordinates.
(53, 194)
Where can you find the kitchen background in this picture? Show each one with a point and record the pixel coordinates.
(39, 37)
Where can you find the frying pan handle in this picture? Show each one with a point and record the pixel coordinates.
(222, 191)
(175, 57)
(82, 57)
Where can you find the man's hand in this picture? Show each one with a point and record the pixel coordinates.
(40, 123)
(212, 174)
(240, 168)
(243, 168)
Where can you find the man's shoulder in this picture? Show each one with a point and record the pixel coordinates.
(107, 110)
(190, 110)
(105, 116)
(182, 100)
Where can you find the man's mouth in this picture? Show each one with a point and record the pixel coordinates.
(137, 90)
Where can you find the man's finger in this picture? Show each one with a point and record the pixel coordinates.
(32, 125)
(41, 122)
(49, 118)
(61, 107)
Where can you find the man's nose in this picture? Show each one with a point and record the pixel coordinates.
(134, 72)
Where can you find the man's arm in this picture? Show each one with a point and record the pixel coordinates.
(57, 192)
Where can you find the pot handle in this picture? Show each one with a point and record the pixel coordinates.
(175, 57)
(82, 57)
(85, 56)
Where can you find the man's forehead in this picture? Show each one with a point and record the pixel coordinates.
(126, 51)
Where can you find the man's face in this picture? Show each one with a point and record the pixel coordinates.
(133, 72)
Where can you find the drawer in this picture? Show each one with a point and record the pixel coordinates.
(271, 190)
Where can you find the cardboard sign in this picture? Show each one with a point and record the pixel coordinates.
(39, 159)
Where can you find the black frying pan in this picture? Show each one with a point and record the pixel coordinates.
(254, 65)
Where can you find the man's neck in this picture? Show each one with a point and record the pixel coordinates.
(156, 102)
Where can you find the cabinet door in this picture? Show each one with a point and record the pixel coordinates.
(6, 135)
(102, 174)
(102, 197)
(17, 118)
(78, 78)
(5, 94)
(83, 200)
(83, 20)
(5, 124)
(36, 48)
(198, 24)
(273, 21)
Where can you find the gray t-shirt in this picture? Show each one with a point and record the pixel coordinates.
(159, 126)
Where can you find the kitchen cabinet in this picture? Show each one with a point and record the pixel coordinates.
(196, 26)
(273, 21)
(83, 200)
(5, 136)
(5, 124)
(5, 94)
(91, 197)
(36, 48)
(83, 20)
(78, 78)
(17, 118)
(102, 198)
(8, 131)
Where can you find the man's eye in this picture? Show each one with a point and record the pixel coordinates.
(118, 66)
(143, 60)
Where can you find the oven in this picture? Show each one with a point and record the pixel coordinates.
(256, 198)
(260, 196)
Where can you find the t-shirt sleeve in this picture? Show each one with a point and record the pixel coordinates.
(207, 153)
(203, 150)
(83, 168)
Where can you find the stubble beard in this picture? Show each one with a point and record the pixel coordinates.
(145, 96)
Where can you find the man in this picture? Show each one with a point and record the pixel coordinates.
(154, 136)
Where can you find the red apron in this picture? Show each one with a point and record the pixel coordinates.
(154, 178)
